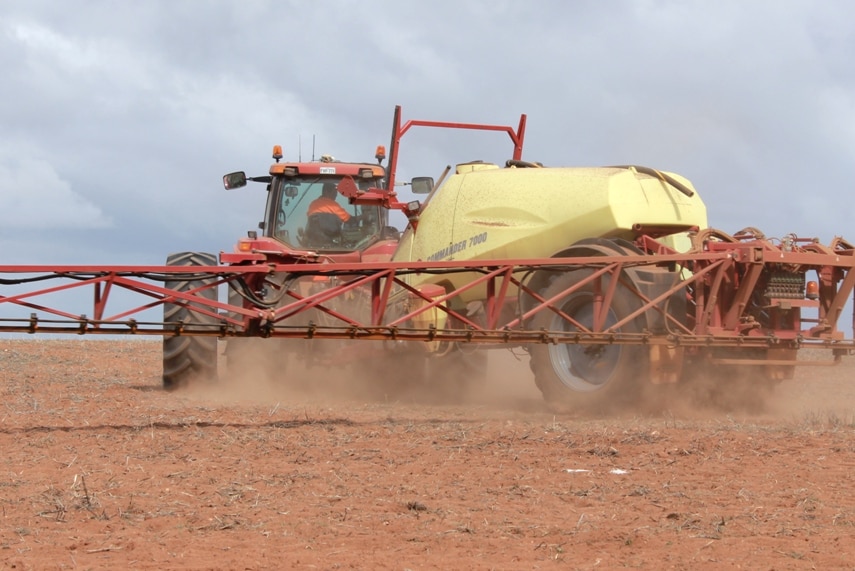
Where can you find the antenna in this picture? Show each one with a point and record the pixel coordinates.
(299, 148)
(313, 148)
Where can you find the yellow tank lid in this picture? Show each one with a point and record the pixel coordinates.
(473, 166)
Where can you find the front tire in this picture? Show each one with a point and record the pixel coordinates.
(188, 359)
(588, 376)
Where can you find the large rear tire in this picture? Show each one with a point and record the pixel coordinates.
(588, 377)
(189, 359)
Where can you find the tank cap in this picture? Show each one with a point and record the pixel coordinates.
(473, 166)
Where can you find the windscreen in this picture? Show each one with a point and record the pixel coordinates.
(309, 213)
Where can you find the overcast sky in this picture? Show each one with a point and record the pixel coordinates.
(118, 119)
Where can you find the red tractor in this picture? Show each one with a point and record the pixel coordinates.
(308, 220)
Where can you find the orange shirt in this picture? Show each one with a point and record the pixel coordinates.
(324, 205)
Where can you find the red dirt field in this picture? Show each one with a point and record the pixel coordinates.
(101, 469)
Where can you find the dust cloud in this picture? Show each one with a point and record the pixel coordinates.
(818, 391)
(332, 372)
(322, 372)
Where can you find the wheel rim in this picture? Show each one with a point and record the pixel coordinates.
(583, 368)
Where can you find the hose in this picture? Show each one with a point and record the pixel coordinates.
(660, 175)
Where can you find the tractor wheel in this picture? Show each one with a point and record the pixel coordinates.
(188, 359)
(579, 376)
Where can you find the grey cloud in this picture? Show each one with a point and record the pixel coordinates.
(134, 111)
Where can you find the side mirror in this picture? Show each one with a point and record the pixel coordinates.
(291, 191)
(234, 180)
(422, 184)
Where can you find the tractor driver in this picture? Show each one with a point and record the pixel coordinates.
(326, 216)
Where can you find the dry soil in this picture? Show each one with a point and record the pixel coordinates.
(101, 469)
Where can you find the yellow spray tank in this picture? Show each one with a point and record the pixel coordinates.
(484, 211)
(524, 211)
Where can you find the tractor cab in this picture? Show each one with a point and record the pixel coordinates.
(307, 212)
(328, 207)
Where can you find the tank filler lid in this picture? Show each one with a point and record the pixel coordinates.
(473, 166)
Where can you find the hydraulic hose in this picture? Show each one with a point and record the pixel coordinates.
(661, 176)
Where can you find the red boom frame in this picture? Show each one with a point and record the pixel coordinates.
(722, 281)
